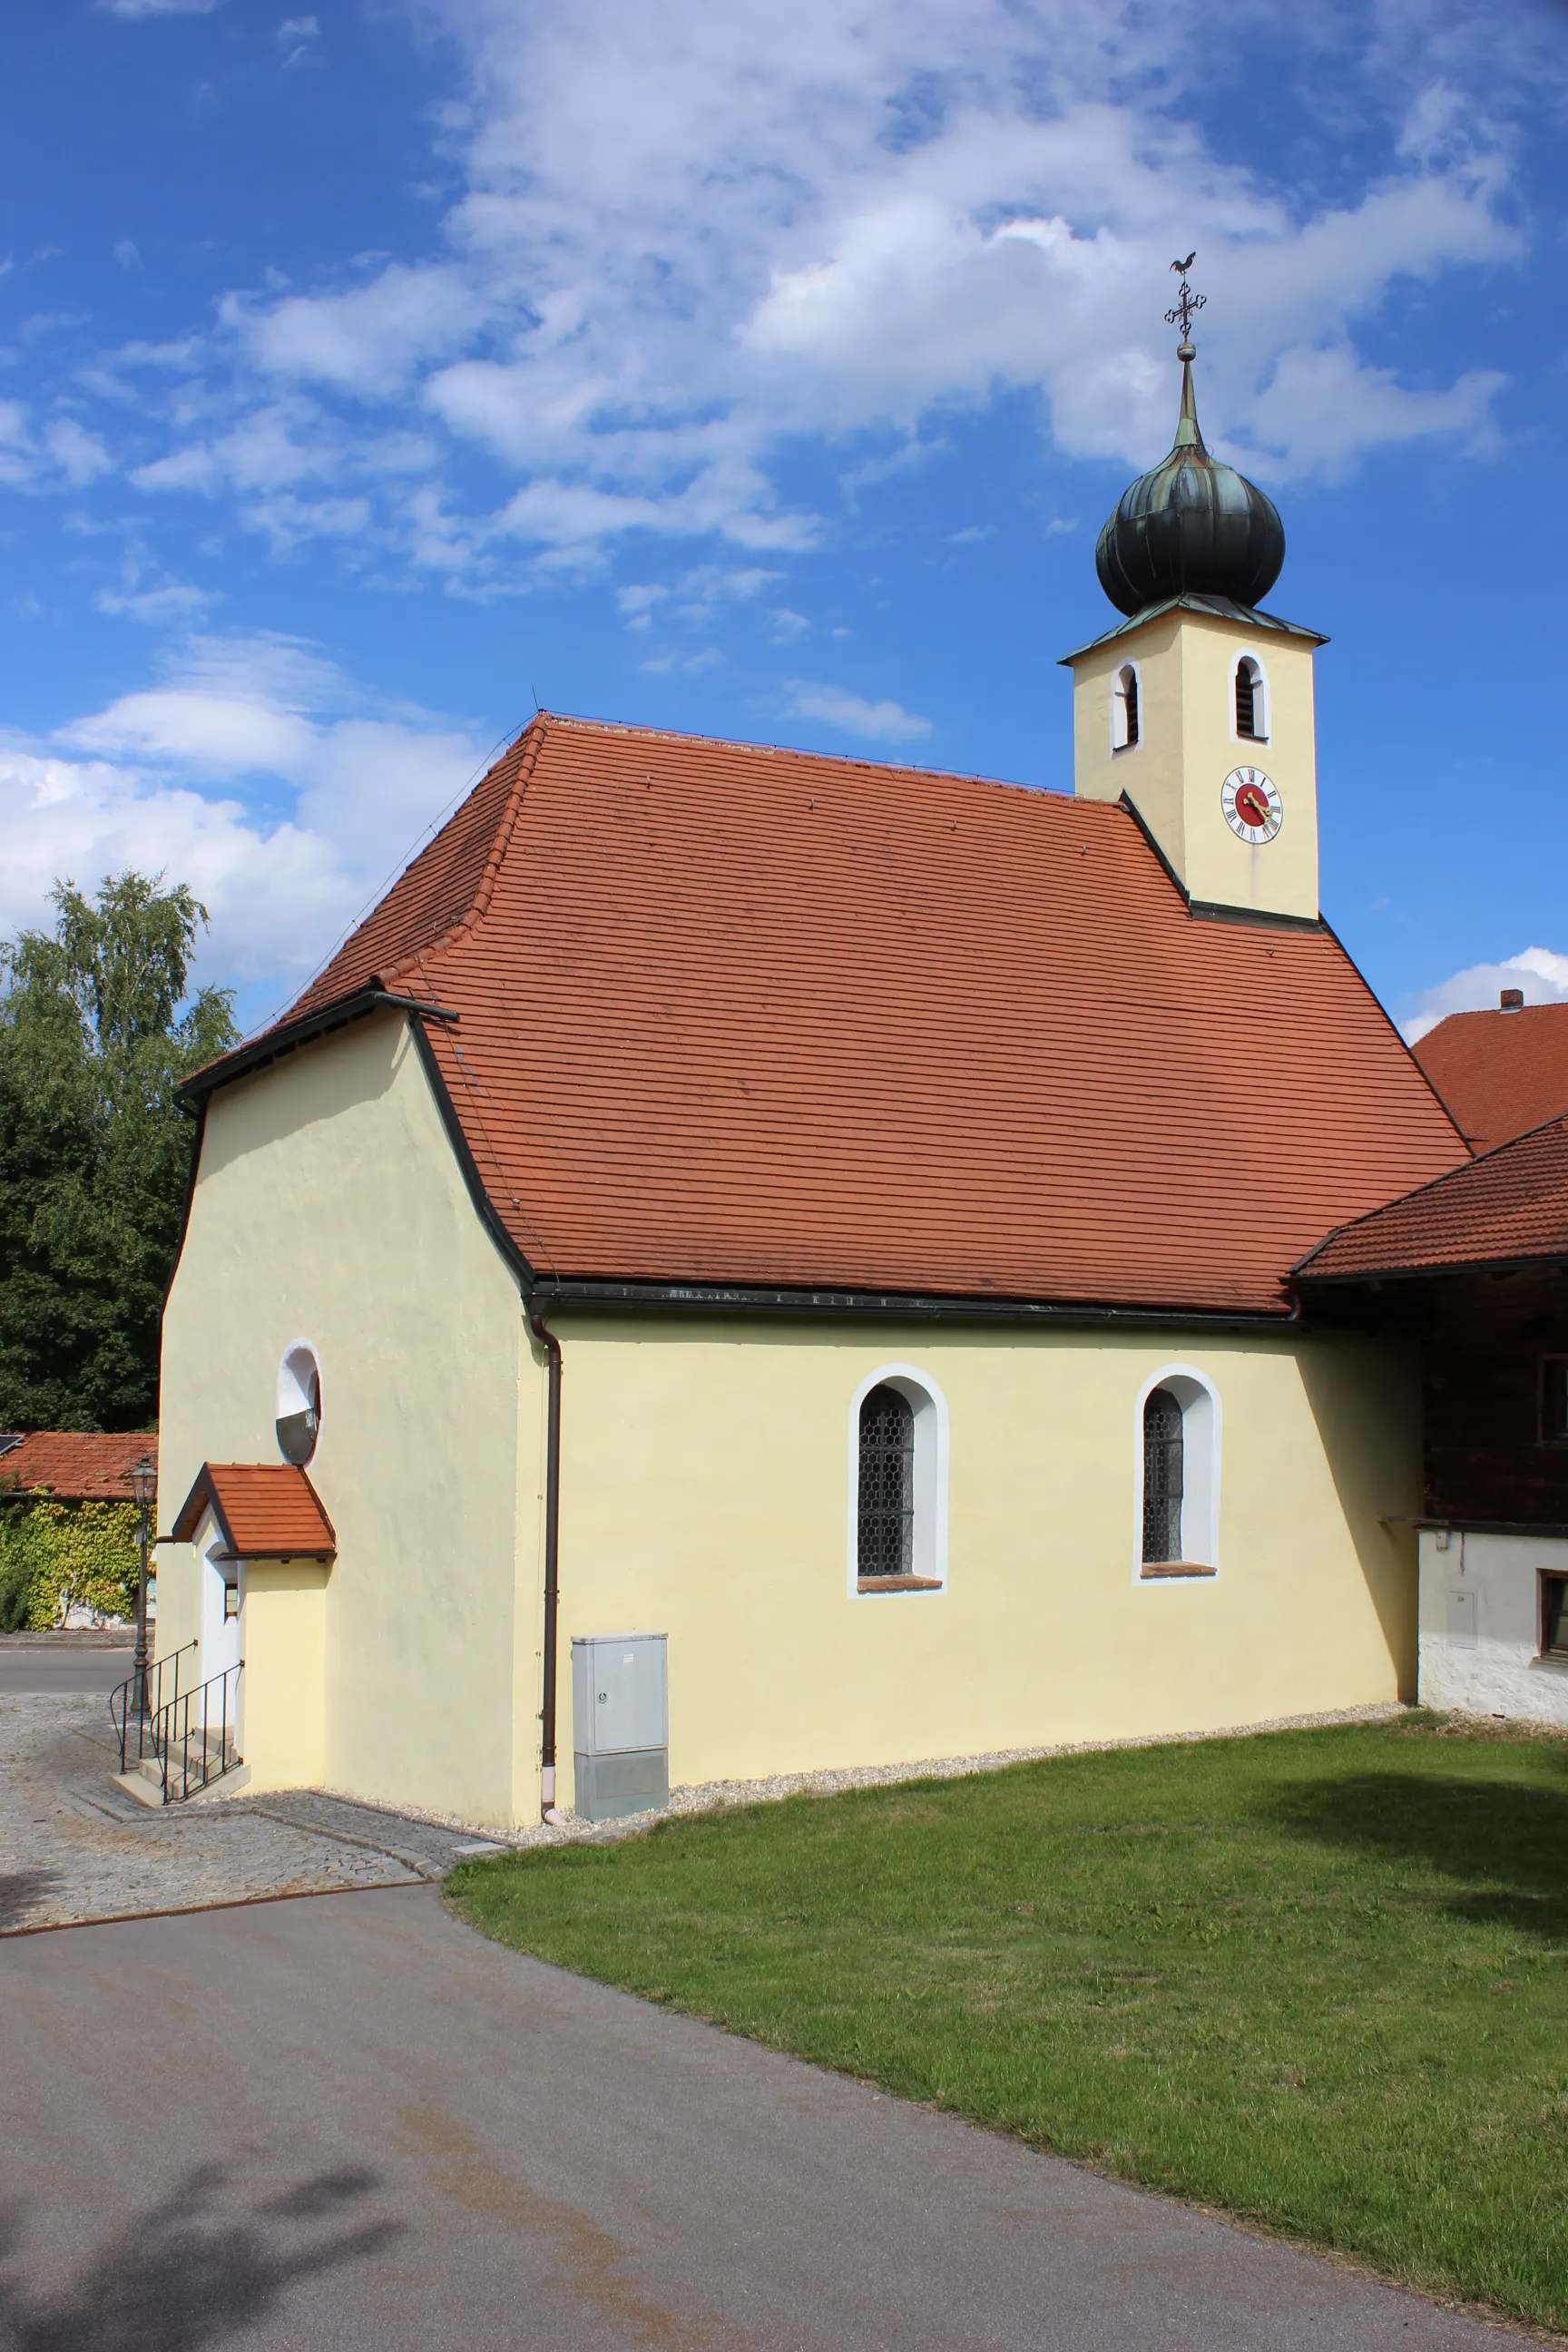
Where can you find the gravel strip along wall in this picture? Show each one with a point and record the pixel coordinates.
(74, 1848)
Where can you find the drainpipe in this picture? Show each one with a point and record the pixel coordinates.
(551, 1347)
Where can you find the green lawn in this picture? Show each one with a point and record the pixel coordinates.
(1318, 1978)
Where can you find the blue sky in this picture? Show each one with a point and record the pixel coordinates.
(367, 372)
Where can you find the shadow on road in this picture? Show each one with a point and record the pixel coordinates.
(21, 1894)
(1504, 1844)
(195, 2268)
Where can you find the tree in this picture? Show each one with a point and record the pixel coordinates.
(95, 1154)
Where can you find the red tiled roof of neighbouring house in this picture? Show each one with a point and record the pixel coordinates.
(730, 1015)
(1508, 1208)
(267, 1510)
(77, 1466)
(1499, 1072)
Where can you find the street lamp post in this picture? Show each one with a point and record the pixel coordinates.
(145, 1488)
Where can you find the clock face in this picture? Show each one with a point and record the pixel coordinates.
(1253, 808)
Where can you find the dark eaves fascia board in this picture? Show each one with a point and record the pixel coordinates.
(598, 1294)
(274, 1042)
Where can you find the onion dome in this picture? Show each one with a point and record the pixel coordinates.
(1192, 527)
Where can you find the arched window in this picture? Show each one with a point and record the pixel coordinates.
(1251, 701)
(1125, 709)
(1163, 1477)
(886, 1533)
(898, 1483)
(1176, 1434)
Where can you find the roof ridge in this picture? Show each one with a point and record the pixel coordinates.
(568, 718)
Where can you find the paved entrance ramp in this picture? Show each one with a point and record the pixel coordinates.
(384, 2132)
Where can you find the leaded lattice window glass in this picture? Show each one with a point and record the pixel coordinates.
(886, 1533)
(1162, 1452)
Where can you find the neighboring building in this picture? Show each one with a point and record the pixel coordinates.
(68, 1526)
(1474, 1270)
(835, 1217)
(75, 1465)
(1499, 1072)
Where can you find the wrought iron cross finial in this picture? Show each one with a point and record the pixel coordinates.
(1186, 306)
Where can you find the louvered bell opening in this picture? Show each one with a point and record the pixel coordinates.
(1129, 696)
(885, 1544)
(1162, 1478)
(1247, 701)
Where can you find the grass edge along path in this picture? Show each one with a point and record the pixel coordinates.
(1315, 1980)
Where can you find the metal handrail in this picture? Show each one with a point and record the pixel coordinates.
(123, 1714)
(199, 1721)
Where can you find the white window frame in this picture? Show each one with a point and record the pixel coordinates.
(1262, 699)
(930, 1550)
(1118, 703)
(1196, 1394)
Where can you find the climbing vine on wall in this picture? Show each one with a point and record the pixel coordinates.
(57, 1555)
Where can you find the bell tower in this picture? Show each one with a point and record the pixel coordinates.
(1197, 707)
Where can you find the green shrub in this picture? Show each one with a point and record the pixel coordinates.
(54, 1555)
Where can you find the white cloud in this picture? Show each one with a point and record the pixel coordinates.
(785, 626)
(884, 722)
(159, 8)
(1539, 973)
(335, 797)
(127, 255)
(675, 661)
(79, 455)
(689, 236)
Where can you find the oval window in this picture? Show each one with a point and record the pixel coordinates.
(299, 1403)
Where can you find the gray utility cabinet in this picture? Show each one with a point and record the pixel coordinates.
(620, 1719)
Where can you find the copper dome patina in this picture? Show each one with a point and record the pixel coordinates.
(1191, 527)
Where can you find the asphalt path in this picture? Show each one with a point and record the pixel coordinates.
(57, 1672)
(350, 2121)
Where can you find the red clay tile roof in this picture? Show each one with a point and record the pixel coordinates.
(1510, 1207)
(267, 1510)
(739, 1016)
(77, 1466)
(1499, 1072)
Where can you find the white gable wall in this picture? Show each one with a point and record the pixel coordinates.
(330, 1203)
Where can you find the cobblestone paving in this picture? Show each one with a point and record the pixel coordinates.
(74, 1847)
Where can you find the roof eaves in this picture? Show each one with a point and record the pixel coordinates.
(1216, 608)
(589, 1293)
(273, 1044)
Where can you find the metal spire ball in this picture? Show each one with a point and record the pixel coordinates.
(1193, 526)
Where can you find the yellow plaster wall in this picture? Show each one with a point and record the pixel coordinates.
(283, 1692)
(705, 1496)
(330, 1207)
(1189, 745)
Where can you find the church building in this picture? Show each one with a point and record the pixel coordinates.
(748, 1262)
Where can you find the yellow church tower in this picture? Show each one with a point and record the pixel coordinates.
(1197, 707)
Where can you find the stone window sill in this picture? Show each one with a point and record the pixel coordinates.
(1551, 1665)
(898, 1584)
(1151, 1568)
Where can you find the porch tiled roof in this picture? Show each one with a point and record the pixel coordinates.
(267, 1510)
(734, 1015)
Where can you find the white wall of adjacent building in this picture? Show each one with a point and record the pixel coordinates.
(1480, 1625)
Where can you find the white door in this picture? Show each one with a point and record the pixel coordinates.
(220, 1630)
